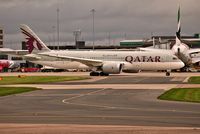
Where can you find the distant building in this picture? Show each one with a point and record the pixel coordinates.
(24, 45)
(1, 37)
(192, 41)
(1, 44)
(132, 43)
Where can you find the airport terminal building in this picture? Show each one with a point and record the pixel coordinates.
(1, 37)
(193, 41)
(2, 43)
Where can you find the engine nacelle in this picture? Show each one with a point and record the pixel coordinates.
(112, 68)
(129, 68)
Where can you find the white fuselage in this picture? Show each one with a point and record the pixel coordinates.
(131, 60)
(181, 51)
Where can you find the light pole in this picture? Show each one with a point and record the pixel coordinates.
(93, 35)
(54, 36)
(58, 28)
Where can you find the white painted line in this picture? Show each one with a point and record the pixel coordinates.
(186, 80)
(75, 97)
(85, 86)
(129, 108)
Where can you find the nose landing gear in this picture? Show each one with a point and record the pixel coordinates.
(168, 72)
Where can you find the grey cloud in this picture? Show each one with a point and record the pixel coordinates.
(136, 18)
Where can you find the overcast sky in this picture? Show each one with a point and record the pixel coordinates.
(136, 19)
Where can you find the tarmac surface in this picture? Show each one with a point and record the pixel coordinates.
(98, 107)
(104, 101)
(131, 80)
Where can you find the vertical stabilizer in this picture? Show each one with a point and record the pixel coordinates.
(178, 32)
(33, 42)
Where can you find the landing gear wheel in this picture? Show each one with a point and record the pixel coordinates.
(167, 73)
(103, 74)
(94, 74)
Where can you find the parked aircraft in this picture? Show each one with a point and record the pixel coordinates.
(100, 62)
(180, 49)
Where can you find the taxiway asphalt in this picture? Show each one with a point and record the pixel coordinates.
(98, 107)
(124, 100)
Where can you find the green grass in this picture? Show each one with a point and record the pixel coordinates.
(194, 80)
(182, 94)
(7, 80)
(15, 90)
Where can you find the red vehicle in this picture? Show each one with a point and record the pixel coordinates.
(30, 69)
(6, 64)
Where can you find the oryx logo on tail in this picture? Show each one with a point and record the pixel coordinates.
(31, 42)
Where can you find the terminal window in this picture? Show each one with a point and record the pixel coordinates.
(1, 42)
(3, 57)
(1, 37)
(16, 58)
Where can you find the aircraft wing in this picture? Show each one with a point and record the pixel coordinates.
(88, 62)
(9, 51)
(195, 60)
(194, 55)
(31, 57)
(193, 51)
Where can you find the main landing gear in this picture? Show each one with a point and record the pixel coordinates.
(98, 74)
(168, 73)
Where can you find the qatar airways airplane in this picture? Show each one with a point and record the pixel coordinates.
(101, 63)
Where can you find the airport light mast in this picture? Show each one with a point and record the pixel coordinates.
(54, 36)
(58, 28)
(93, 35)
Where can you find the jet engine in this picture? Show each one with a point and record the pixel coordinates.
(129, 68)
(112, 68)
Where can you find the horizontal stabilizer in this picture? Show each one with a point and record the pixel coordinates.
(9, 51)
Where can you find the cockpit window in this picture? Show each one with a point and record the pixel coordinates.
(174, 58)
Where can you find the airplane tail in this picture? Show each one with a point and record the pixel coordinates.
(178, 33)
(33, 42)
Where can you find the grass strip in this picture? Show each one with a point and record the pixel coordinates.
(7, 80)
(194, 80)
(182, 94)
(4, 91)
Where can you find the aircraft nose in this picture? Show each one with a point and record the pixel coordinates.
(180, 64)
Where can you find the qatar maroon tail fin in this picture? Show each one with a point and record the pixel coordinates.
(33, 42)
